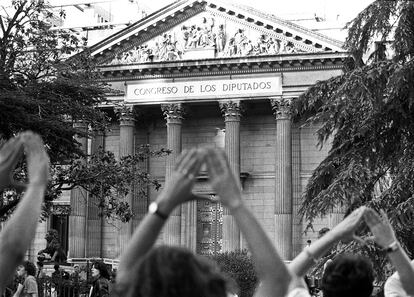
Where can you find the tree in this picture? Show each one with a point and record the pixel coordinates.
(368, 113)
(48, 82)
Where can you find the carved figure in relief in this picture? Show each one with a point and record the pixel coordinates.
(220, 39)
(231, 49)
(185, 35)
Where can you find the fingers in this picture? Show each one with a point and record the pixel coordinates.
(199, 197)
(216, 162)
(190, 162)
(384, 216)
(37, 158)
(371, 218)
(359, 240)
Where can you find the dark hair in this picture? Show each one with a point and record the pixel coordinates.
(103, 269)
(348, 275)
(174, 272)
(29, 267)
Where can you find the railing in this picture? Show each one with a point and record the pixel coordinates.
(61, 287)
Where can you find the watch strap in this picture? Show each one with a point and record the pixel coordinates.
(392, 247)
(157, 212)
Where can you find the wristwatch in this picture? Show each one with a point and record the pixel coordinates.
(153, 209)
(392, 247)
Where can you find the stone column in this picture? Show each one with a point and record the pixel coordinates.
(78, 204)
(283, 177)
(126, 148)
(174, 116)
(94, 220)
(231, 111)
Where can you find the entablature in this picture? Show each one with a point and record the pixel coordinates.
(225, 66)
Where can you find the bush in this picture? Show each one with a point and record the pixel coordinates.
(238, 266)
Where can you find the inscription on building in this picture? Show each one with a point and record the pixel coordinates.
(223, 88)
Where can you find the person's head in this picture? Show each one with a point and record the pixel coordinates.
(51, 234)
(27, 268)
(176, 272)
(56, 267)
(99, 269)
(76, 268)
(348, 275)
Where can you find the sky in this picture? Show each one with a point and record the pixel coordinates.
(335, 13)
(293, 8)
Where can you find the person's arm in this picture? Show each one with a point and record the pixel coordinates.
(54, 255)
(176, 191)
(343, 231)
(273, 274)
(18, 290)
(384, 236)
(19, 231)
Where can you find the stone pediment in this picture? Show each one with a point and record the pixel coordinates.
(198, 30)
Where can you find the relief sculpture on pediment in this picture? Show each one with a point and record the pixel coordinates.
(206, 37)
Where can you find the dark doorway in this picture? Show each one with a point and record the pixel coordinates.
(60, 222)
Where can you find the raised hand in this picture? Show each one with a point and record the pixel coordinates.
(10, 154)
(178, 188)
(37, 158)
(222, 178)
(383, 234)
(345, 230)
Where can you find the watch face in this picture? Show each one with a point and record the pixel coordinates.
(153, 207)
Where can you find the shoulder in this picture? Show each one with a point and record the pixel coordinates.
(393, 287)
(299, 292)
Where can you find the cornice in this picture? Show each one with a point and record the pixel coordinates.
(228, 66)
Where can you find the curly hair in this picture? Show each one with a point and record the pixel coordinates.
(348, 275)
(52, 234)
(29, 267)
(103, 269)
(175, 272)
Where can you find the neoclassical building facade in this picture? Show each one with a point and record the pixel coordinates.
(201, 73)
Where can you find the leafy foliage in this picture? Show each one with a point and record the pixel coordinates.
(48, 82)
(238, 266)
(108, 179)
(368, 115)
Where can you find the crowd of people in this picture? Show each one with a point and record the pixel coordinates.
(146, 270)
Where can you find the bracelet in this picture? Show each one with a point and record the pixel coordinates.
(392, 247)
(310, 255)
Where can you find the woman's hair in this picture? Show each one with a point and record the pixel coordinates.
(103, 269)
(29, 267)
(174, 272)
(348, 275)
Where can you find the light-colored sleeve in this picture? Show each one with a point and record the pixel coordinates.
(393, 287)
(30, 285)
(298, 292)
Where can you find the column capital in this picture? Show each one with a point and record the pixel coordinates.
(173, 113)
(231, 110)
(281, 107)
(125, 115)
